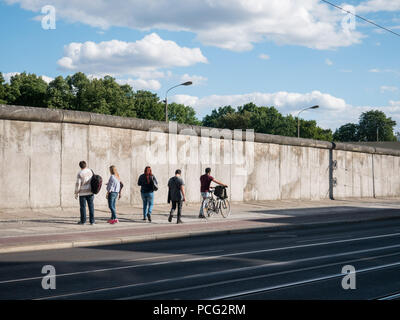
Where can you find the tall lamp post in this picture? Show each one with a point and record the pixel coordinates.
(298, 118)
(187, 83)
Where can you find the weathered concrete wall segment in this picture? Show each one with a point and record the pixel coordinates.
(40, 150)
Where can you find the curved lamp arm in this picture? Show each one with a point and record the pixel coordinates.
(187, 83)
(298, 118)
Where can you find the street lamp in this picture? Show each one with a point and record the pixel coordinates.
(298, 118)
(187, 83)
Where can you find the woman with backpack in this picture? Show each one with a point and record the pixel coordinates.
(114, 187)
(148, 183)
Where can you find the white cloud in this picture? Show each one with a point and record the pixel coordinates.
(389, 89)
(394, 103)
(143, 57)
(7, 77)
(328, 62)
(378, 5)
(286, 101)
(377, 70)
(333, 112)
(47, 79)
(186, 100)
(264, 56)
(197, 80)
(231, 24)
(141, 84)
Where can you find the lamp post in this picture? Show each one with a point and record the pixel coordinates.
(187, 83)
(298, 118)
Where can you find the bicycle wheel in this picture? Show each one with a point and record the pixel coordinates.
(209, 207)
(225, 208)
(212, 207)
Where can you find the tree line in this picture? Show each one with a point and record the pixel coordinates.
(373, 125)
(78, 92)
(106, 96)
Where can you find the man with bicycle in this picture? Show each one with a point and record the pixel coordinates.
(205, 181)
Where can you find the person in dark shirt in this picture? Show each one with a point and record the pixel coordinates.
(148, 183)
(205, 182)
(176, 195)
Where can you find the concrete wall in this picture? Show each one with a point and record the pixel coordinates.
(40, 150)
(362, 175)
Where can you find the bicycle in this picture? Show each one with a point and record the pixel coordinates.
(215, 205)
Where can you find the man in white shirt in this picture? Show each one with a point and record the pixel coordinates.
(84, 191)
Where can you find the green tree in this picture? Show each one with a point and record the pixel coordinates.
(148, 106)
(2, 89)
(119, 98)
(235, 121)
(264, 120)
(103, 96)
(78, 84)
(27, 90)
(127, 108)
(182, 114)
(59, 94)
(213, 120)
(269, 120)
(346, 133)
(374, 125)
(310, 130)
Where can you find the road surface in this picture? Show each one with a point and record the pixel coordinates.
(296, 264)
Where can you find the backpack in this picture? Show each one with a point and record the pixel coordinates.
(154, 183)
(95, 183)
(220, 192)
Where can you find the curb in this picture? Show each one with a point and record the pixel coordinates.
(177, 235)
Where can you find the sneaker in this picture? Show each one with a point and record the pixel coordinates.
(149, 217)
(179, 221)
(116, 221)
(111, 221)
(92, 223)
(202, 216)
(82, 223)
(170, 218)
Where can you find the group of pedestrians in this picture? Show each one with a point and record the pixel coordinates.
(84, 190)
(148, 185)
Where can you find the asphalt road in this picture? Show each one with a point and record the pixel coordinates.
(297, 264)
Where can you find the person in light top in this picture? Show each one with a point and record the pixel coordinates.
(84, 191)
(113, 192)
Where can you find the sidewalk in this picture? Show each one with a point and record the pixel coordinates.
(55, 228)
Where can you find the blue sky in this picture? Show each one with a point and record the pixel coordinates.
(288, 53)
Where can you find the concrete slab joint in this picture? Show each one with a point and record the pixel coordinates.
(256, 166)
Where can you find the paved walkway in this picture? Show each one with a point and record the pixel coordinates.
(55, 228)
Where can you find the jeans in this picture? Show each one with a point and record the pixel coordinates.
(174, 203)
(205, 196)
(112, 198)
(148, 200)
(82, 203)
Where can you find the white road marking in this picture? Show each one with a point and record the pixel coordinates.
(301, 282)
(254, 277)
(209, 257)
(391, 297)
(116, 268)
(322, 239)
(219, 273)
